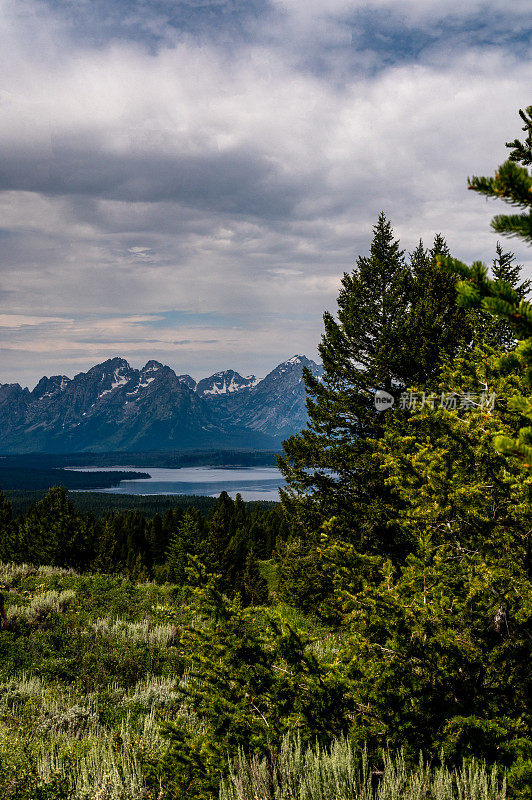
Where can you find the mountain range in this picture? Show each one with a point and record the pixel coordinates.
(114, 407)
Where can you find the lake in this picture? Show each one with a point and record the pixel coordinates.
(253, 483)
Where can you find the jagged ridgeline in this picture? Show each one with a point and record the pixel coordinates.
(116, 407)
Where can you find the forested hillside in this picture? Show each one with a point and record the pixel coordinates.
(368, 639)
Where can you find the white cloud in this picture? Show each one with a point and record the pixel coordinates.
(226, 182)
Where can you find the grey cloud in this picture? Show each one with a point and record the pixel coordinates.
(238, 182)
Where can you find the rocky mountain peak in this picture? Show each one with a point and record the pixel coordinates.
(107, 367)
(49, 387)
(151, 366)
(226, 382)
(115, 407)
(293, 367)
(188, 380)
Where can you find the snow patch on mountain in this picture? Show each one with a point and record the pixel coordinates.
(290, 364)
(232, 386)
(143, 384)
(225, 383)
(118, 380)
(152, 366)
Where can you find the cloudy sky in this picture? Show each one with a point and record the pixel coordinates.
(187, 180)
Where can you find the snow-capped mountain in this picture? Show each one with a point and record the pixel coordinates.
(276, 405)
(227, 382)
(115, 407)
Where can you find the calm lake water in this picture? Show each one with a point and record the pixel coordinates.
(253, 483)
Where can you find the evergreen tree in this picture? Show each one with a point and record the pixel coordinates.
(137, 570)
(135, 547)
(302, 580)
(220, 531)
(254, 587)
(171, 519)
(7, 533)
(240, 512)
(513, 184)
(107, 558)
(493, 331)
(435, 328)
(504, 302)
(504, 298)
(156, 539)
(504, 269)
(328, 466)
(397, 324)
(183, 542)
(250, 682)
(439, 642)
(234, 559)
(53, 532)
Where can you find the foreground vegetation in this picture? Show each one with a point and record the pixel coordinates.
(94, 679)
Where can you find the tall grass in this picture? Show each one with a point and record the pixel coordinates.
(158, 635)
(95, 725)
(11, 573)
(300, 772)
(40, 607)
(106, 770)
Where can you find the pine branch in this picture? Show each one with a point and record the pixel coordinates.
(513, 225)
(522, 151)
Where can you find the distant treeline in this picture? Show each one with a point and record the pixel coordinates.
(102, 503)
(26, 477)
(180, 458)
(227, 536)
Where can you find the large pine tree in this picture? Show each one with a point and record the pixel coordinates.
(325, 463)
(440, 642)
(397, 322)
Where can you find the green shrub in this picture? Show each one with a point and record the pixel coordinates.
(19, 772)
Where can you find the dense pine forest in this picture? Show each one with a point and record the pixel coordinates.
(225, 535)
(368, 637)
